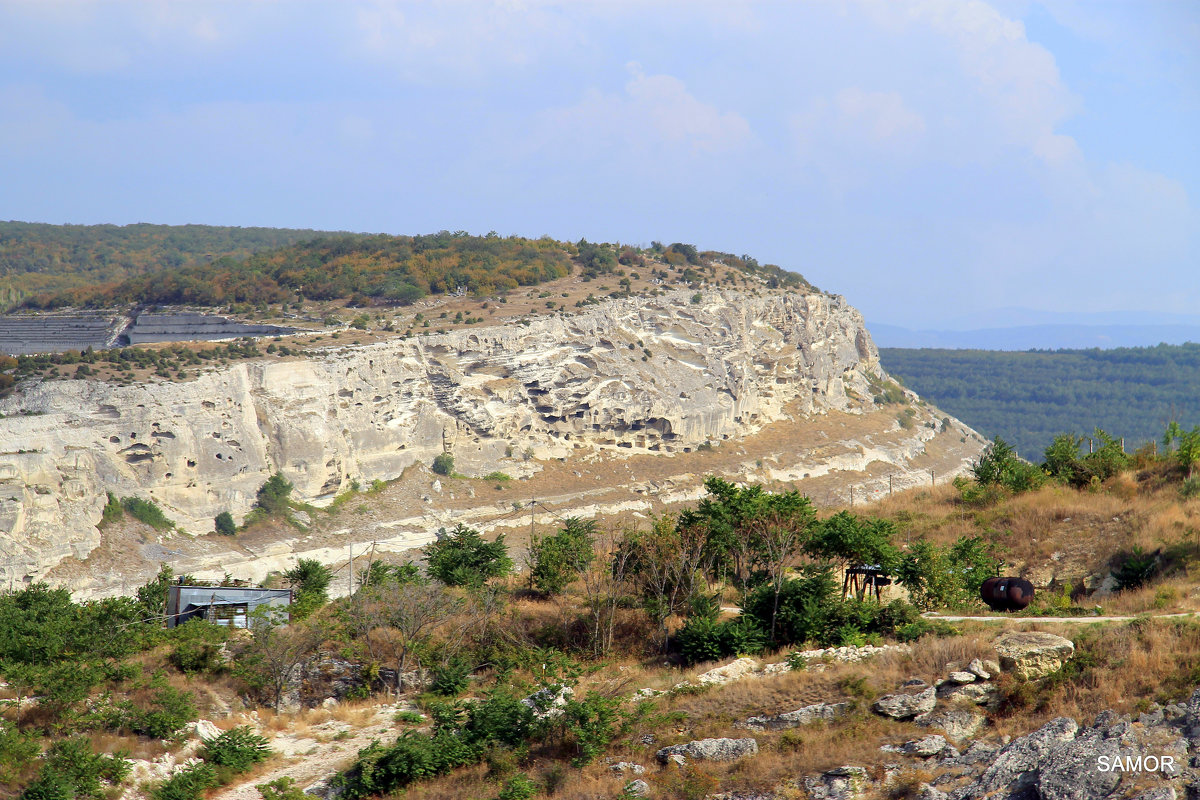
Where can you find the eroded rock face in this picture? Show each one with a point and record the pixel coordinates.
(559, 387)
(1032, 655)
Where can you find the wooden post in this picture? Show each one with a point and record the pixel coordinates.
(889, 485)
(852, 497)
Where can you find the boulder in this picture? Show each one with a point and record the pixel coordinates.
(921, 748)
(906, 706)
(1014, 768)
(204, 730)
(621, 767)
(962, 676)
(638, 788)
(1157, 793)
(977, 669)
(733, 671)
(1070, 770)
(958, 724)
(1032, 655)
(801, 716)
(978, 693)
(991, 666)
(549, 702)
(843, 783)
(710, 750)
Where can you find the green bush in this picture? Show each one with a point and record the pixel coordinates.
(593, 723)
(382, 770)
(237, 748)
(443, 464)
(461, 557)
(282, 789)
(112, 511)
(1135, 569)
(146, 511)
(167, 711)
(518, 787)
(188, 784)
(274, 495)
(197, 647)
(223, 524)
(702, 638)
(501, 477)
(450, 679)
(71, 769)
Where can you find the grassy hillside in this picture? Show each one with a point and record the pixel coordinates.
(36, 258)
(1028, 397)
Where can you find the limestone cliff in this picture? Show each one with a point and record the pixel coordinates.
(636, 375)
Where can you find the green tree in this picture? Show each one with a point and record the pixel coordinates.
(564, 556)
(461, 557)
(223, 524)
(274, 495)
(310, 579)
(443, 464)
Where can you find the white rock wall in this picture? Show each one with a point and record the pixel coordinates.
(718, 369)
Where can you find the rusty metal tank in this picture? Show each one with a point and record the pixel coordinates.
(1006, 594)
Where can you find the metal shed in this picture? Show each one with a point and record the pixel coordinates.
(223, 605)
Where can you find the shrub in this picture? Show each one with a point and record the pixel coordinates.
(1135, 569)
(702, 638)
(282, 789)
(274, 495)
(382, 769)
(518, 787)
(112, 511)
(188, 784)
(501, 477)
(198, 647)
(443, 464)
(71, 769)
(461, 557)
(168, 710)
(146, 511)
(450, 679)
(237, 748)
(223, 524)
(592, 722)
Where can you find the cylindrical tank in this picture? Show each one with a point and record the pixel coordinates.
(1006, 594)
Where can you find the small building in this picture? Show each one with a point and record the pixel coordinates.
(231, 606)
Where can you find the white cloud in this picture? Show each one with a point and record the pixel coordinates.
(654, 112)
(1024, 97)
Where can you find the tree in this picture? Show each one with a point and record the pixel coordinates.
(275, 654)
(559, 559)
(1000, 466)
(1188, 451)
(223, 524)
(606, 586)
(393, 620)
(273, 496)
(443, 464)
(463, 558)
(851, 541)
(310, 579)
(667, 564)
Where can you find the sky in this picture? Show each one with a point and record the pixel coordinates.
(932, 160)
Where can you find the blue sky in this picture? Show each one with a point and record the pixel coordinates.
(929, 159)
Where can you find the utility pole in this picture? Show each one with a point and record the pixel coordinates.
(889, 485)
(351, 569)
(852, 497)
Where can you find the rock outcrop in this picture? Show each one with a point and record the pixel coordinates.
(1031, 655)
(906, 706)
(638, 375)
(710, 750)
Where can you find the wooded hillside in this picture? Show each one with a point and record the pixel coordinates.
(37, 258)
(1028, 397)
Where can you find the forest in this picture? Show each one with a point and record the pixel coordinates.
(1028, 397)
(39, 258)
